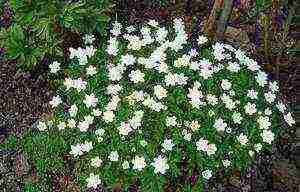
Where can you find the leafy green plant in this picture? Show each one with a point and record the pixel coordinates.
(153, 102)
(38, 26)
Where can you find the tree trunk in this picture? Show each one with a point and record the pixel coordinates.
(223, 21)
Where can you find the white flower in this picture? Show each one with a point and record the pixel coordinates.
(83, 126)
(194, 93)
(212, 99)
(226, 163)
(226, 85)
(261, 78)
(116, 30)
(186, 135)
(89, 119)
(86, 146)
(243, 139)
(97, 112)
(251, 153)
(138, 163)
(193, 53)
(99, 132)
(289, 119)
(270, 97)
(113, 89)
(170, 79)
(76, 150)
(135, 43)
(264, 122)
(173, 79)
(207, 174)
(89, 52)
(161, 34)
(195, 65)
(195, 96)
(108, 116)
(73, 110)
(113, 156)
(79, 84)
(68, 83)
(252, 65)
(139, 114)
(124, 129)
(113, 103)
(160, 92)
(90, 100)
(71, 123)
(115, 73)
(206, 69)
(250, 108)
(93, 181)
(233, 66)
(194, 125)
(231, 93)
(218, 51)
(220, 125)
(229, 103)
(202, 40)
(167, 144)
(268, 111)
(56, 100)
(91, 70)
(54, 67)
(137, 76)
(252, 94)
(139, 95)
(280, 106)
(267, 136)
(127, 59)
(273, 86)
(89, 39)
(160, 165)
(183, 61)
(171, 121)
(228, 129)
(153, 23)
(211, 150)
(112, 48)
(130, 29)
(96, 162)
(125, 165)
(258, 147)
(237, 118)
(61, 126)
(202, 145)
(42, 126)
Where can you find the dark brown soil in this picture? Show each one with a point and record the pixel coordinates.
(23, 100)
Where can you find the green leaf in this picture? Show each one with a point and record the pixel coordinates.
(16, 33)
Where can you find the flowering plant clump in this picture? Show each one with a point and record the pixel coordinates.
(153, 98)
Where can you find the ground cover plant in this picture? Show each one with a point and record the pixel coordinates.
(153, 97)
(32, 160)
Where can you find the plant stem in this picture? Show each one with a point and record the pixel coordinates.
(223, 21)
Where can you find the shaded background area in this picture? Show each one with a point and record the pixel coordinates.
(268, 29)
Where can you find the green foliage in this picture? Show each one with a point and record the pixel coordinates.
(262, 4)
(87, 17)
(39, 25)
(185, 154)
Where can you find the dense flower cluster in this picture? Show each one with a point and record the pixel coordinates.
(161, 93)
